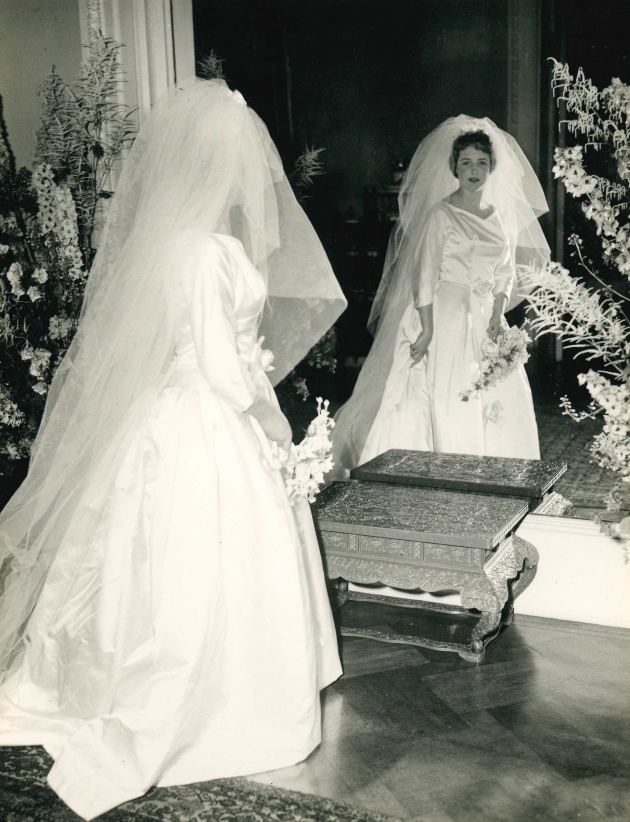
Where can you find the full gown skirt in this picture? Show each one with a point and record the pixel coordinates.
(464, 264)
(187, 635)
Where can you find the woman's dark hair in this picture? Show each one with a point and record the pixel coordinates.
(471, 139)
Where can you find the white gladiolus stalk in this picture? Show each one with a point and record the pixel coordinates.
(58, 218)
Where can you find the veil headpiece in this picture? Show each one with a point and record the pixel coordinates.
(515, 192)
(203, 161)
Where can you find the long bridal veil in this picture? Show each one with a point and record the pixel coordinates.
(515, 192)
(202, 162)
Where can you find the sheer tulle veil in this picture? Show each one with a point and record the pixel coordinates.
(203, 161)
(512, 188)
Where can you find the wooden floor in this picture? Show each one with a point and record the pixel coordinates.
(539, 731)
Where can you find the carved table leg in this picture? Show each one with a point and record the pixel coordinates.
(509, 571)
(472, 656)
(508, 619)
(516, 587)
(342, 591)
(488, 624)
(524, 580)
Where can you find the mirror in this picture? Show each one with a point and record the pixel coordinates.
(366, 80)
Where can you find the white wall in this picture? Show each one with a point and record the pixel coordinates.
(34, 35)
(583, 575)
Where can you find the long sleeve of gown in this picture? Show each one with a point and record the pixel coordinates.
(504, 274)
(210, 299)
(430, 259)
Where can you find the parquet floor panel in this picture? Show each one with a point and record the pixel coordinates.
(539, 732)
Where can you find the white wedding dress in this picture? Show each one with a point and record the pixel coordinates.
(465, 261)
(186, 634)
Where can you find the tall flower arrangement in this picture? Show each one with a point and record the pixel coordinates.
(47, 221)
(591, 312)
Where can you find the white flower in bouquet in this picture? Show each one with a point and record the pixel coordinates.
(499, 359)
(59, 327)
(40, 275)
(40, 387)
(262, 356)
(10, 414)
(40, 361)
(11, 451)
(305, 465)
(16, 449)
(34, 293)
(14, 276)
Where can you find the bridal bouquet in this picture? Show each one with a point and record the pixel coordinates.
(499, 359)
(304, 466)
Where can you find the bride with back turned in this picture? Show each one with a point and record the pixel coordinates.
(164, 616)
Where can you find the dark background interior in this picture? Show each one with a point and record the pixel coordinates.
(367, 79)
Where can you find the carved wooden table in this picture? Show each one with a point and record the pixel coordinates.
(533, 480)
(416, 537)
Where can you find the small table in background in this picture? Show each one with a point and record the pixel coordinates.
(435, 522)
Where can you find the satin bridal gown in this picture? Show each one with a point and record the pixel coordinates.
(188, 635)
(465, 261)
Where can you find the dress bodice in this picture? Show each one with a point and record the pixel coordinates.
(249, 294)
(223, 299)
(466, 250)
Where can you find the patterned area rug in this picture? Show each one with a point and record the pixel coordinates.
(585, 483)
(25, 797)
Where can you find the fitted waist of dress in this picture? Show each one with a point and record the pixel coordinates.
(481, 286)
(185, 371)
(183, 375)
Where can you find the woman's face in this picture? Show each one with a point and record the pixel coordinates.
(472, 169)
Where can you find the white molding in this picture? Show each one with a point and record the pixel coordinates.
(569, 526)
(83, 27)
(159, 36)
(141, 53)
(158, 41)
(183, 39)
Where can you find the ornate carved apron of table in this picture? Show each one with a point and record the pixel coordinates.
(387, 526)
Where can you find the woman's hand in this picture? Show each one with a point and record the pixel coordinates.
(278, 429)
(419, 348)
(496, 320)
(272, 421)
(494, 326)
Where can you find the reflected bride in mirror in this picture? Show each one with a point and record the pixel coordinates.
(469, 208)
